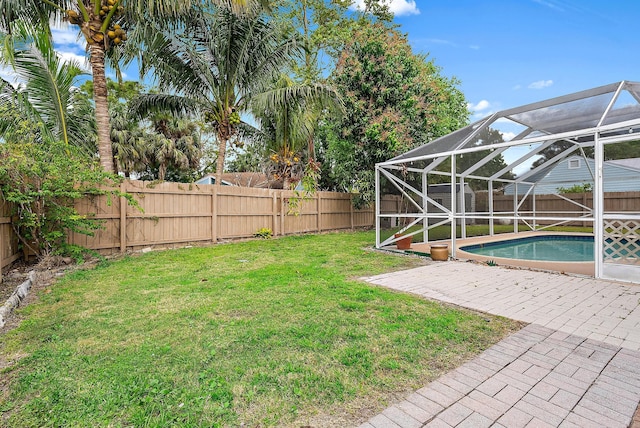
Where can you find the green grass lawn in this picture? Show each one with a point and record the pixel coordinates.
(260, 333)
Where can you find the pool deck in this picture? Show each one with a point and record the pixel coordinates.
(576, 365)
(580, 268)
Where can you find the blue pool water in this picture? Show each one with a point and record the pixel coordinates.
(559, 248)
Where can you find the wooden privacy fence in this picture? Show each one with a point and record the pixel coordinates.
(8, 239)
(176, 213)
(613, 202)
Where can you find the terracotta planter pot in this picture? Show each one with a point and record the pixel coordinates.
(404, 243)
(439, 252)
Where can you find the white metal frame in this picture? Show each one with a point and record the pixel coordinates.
(607, 130)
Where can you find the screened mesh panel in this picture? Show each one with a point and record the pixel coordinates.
(443, 144)
(566, 117)
(576, 113)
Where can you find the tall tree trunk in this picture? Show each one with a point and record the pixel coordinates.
(311, 149)
(102, 110)
(222, 152)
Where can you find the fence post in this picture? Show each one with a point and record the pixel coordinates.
(584, 203)
(283, 231)
(1, 246)
(123, 218)
(274, 213)
(351, 211)
(319, 214)
(214, 213)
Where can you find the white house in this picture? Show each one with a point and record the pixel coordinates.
(618, 176)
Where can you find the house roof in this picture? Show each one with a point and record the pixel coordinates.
(444, 188)
(633, 163)
(247, 179)
(626, 163)
(243, 179)
(211, 179)
(622, 176)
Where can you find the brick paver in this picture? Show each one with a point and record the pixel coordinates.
(576, 365)
(582, 306)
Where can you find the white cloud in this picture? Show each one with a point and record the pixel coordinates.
(81, 60)
(517, 87)
(9, 75)
(540, 84)
(70, 45)
(550, 5)
(474, 47)
(67, 36)
(397, 7)
(508, 136)
(480, 106)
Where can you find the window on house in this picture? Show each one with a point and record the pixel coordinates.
(574, 163)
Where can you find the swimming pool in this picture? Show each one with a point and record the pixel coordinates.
(557, 248)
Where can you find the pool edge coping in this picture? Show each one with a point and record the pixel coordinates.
(580, 268)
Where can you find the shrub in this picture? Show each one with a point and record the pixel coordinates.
(42, 180)
(264, 233)
(576, 188)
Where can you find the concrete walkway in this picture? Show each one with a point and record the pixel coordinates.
(576, 365)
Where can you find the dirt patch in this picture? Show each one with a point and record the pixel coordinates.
(45, 274)
(14, 276)
(635, 423)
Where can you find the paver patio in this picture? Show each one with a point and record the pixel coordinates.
(576, 365)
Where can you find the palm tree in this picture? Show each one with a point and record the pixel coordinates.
(129, 142)
(289, 127)
(217, 67)
(177, 150)
(104, 25)
(46, 96)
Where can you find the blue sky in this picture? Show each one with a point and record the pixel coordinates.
(505, 53)
(508, 53)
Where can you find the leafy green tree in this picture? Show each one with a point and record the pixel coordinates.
(41, 175)
(41, 180)
(129, 139)
(47, 96)
(487, 137)
(324, 28)
(217, 67)
(396, 100)
(555, 149)
(248, 157)
(624, 150)
(15, 127)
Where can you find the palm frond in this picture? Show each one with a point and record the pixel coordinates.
(36, 13)
(147, 104)
(49, 81)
